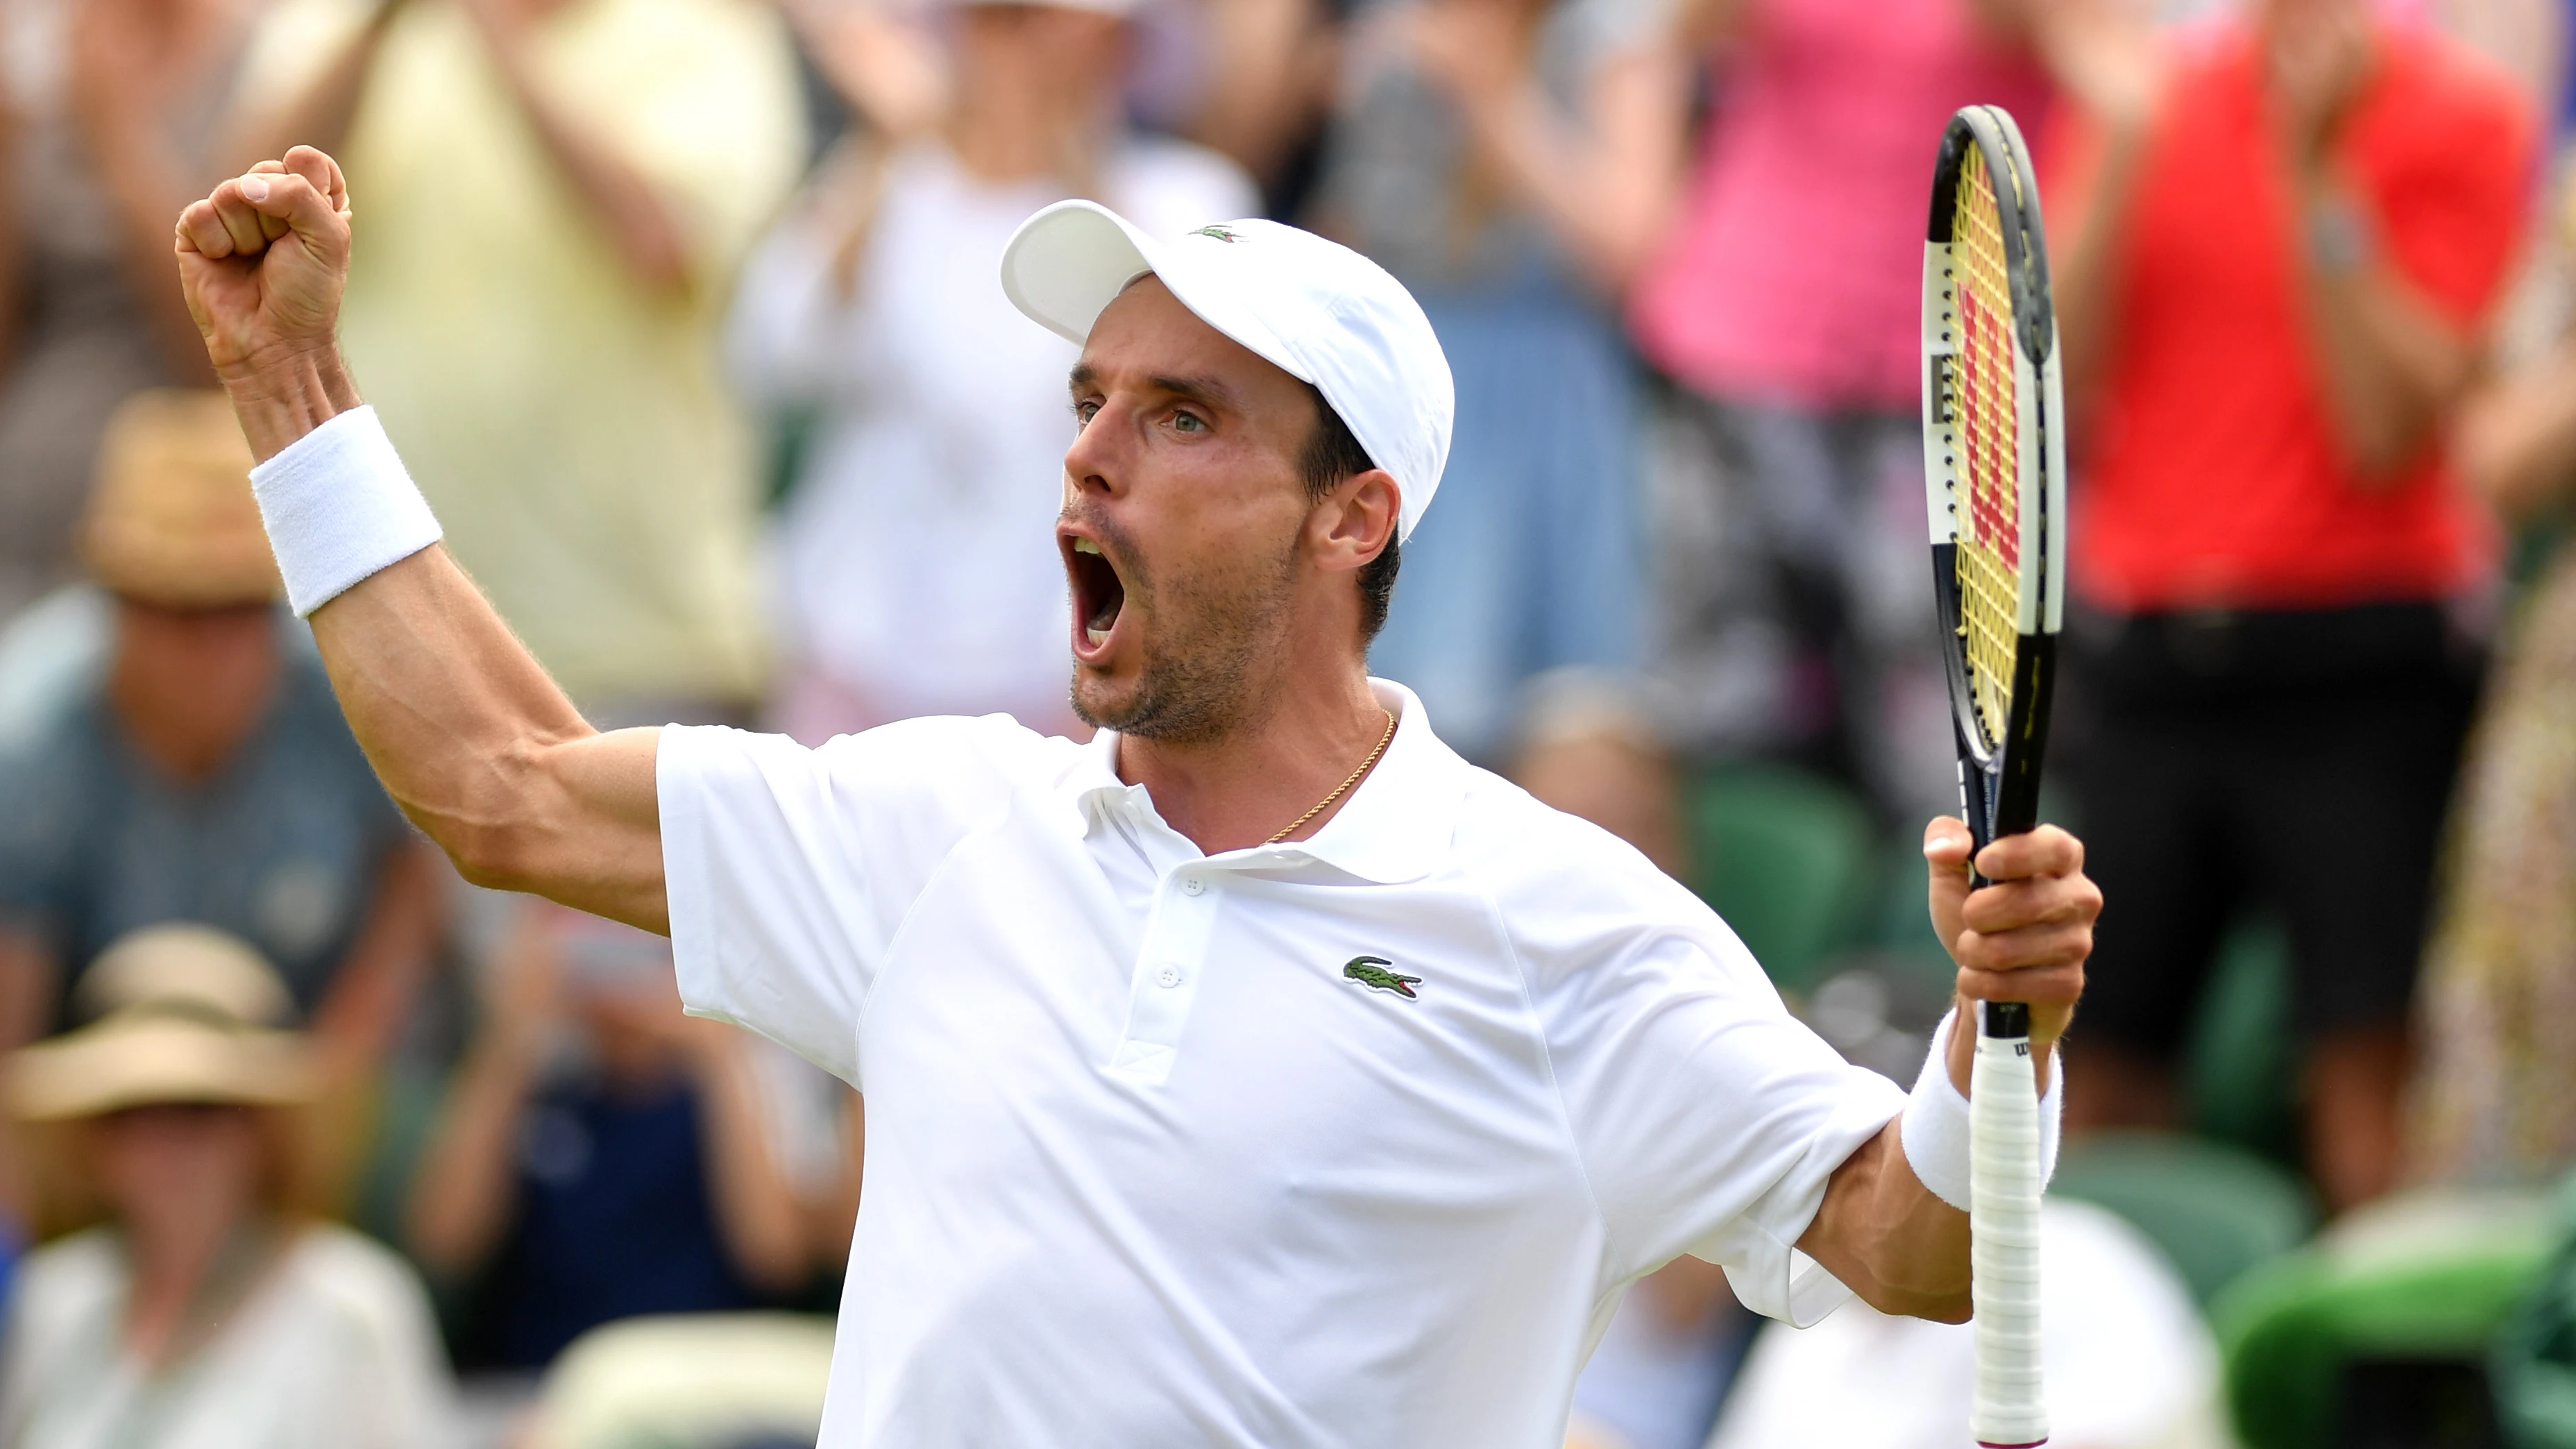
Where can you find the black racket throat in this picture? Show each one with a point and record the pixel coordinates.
(1998, 780)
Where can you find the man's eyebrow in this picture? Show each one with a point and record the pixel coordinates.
(1207, 390)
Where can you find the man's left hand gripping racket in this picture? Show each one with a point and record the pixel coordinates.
(1994, 453)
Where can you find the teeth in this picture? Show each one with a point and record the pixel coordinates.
(1096, 636)
(1084, 545)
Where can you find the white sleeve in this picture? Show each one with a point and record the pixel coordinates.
(1708, 1119)
(789, 870)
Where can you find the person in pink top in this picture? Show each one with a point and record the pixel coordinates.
(1785, 304)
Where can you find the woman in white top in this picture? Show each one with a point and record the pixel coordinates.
(918, 570)
(206, 1312)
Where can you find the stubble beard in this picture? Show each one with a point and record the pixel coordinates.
(1215, 640)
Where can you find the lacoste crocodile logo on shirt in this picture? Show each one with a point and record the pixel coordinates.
(1223, 234)
(1371, 972)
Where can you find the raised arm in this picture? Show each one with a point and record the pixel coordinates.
(320, 113)
(1605, 183)
(470, 737)
(2516, 441)
(2024, 938)
(638, 224)
(2391, 362)
(2105, 62)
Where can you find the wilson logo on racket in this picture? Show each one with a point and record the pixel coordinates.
(1371, 972)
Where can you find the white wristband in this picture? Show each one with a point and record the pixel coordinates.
(338, 507)
(1936, 1123)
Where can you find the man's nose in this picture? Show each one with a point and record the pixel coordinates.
(1095, 460)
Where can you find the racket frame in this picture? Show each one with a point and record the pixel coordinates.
(1999, 776)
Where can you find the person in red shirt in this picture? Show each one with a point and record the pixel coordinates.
(2277, 240)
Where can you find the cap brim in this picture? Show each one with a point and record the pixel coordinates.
(1065, 265)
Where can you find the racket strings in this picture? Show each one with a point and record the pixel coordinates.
(1988, 423)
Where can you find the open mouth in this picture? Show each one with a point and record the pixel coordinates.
(1098, 595)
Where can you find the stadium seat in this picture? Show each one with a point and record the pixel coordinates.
(1785, 857)
(2215, 1210)
(2534, 1366)
(2240, 1075)
(2380, 1331)
(687, 1381)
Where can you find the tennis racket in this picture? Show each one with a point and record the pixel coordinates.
(1994, 455)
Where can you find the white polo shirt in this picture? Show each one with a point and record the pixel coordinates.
(1354, 1142)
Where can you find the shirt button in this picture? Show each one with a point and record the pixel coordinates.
(1168, 977)
(1192, 885)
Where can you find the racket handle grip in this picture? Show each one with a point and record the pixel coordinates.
(2003, 1227)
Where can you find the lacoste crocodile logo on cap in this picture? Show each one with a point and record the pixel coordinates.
(1371, 972)
(1221, 233)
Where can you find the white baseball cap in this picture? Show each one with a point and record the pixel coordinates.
(1321, 312)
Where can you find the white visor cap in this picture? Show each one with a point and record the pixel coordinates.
(1321, 312)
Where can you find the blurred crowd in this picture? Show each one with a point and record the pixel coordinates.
(684, 315)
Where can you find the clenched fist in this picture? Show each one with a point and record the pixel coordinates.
(262, 262)
(2024, 937)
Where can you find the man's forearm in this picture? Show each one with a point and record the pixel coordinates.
(144, 188)
(321, 115)
(1884, 1234)
(2389, 361)
(755, 1209)
(2086, 258)
(635, 220)
(2516, 438)
(373, 991)
(466, 1183)
(13, 249)
(1607, 184)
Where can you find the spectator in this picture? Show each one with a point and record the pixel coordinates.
(210, 1311)
(1785, 302)
(1259, 87)
(601, 1155)
(1505, 159)
(919, 571)
(108, 112)
(2495, 1099)
(199, 768)
(2128, 1363)
(558, 395)
(2265, 531)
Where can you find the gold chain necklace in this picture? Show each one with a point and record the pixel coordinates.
(1348, 781)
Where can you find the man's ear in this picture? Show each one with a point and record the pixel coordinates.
(1355, 522)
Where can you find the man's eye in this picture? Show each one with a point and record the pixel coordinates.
(1189, 423)
(1083, 412)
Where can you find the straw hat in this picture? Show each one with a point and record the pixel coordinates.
(186, 962)
(171, 520)
(180, 1036)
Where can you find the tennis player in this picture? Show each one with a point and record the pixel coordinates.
(1259, 1073)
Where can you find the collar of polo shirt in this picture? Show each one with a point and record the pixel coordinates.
(1394, 828)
